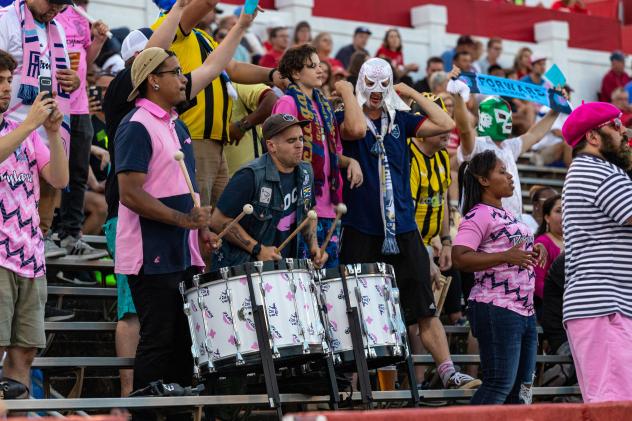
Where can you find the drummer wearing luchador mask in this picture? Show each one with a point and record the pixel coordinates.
(380, 224)
(280, 187)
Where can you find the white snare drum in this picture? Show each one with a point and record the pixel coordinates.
(222, 324)
(371, 289)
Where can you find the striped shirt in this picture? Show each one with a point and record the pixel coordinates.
(429, 180)
(597, 203)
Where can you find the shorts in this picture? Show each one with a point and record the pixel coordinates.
(332, 249)
(22, 303)
(211, 170)
(124, 304)
(412, 268)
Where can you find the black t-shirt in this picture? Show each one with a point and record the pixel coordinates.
(115, 108)
(100, 139)
(241, 190)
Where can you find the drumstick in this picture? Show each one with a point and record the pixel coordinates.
(86, 16)
(341, 209)
(247, 210)
(179, 156)
(311, 216)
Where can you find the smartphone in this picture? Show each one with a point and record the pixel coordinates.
(96, 92)
(46, 85)
(250, 6)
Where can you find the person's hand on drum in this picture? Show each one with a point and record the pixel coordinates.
(208, 241)
(268, 253)
(319, 259)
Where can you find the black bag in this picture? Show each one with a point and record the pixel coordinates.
(11, 389)
(158, 388)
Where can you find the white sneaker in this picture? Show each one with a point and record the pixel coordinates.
(51, 249)
(76, 247)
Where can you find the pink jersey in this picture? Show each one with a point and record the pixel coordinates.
(21, 242)
(488, 229)
(324, 207)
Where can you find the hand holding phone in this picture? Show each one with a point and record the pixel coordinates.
(46, 85)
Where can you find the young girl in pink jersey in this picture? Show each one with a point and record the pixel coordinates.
(499, 249)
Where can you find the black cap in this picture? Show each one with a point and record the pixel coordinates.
(617, 56)
(276, 123)
(70, 2)
(465, 40)
(362, 30)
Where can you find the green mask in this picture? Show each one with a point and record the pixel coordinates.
(494, 119)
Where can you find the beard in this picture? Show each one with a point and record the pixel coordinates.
(621, 156)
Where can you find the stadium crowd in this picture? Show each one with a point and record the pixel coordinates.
(91, 123)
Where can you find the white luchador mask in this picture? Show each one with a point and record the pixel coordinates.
(376, 76)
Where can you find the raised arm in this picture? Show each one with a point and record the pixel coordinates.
(37, 115)
(164, 35)
(354, 126)
(539, 130)
(437, 122)
(464, 124)
(195, 11)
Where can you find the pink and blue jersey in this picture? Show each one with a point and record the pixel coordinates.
(146, 142)
(488, 229)
(21, 242)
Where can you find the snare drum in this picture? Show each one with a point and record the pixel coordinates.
(222, 324)
(372, 290)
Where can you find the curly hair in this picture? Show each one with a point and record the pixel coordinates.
(295, 59)
(7, 62)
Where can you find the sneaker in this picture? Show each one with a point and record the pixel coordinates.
(54, 314)
(51, 249)
(76, 247)
(80, 278)
(463, 381)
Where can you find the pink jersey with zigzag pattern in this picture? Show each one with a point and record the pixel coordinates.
(488, 229)
(21, 242)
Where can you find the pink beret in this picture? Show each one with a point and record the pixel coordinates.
(585, 118)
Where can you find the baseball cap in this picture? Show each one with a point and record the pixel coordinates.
(465, 40)
(362, 30)
(135, 42)
(535, 57)
(145, 63)
(70, 2)
(276, 123)
(586, 117)
(617, 56)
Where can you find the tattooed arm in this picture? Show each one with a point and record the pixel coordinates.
(310, 237)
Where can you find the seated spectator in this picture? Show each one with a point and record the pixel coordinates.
(434, 64)
(494, 50)
(549, 234)
(537, 70)
(324, 45)
(438, 82)
(464, 43)
(360, 39)
(225, 25)
(570, 6)
(357, 60)
(537, 195)
(279, 42)
(327, 78)
(463, 60)
(621, 100)
(522, 62)
(615, 78)
(391, 51)
(477, 53)
(302, 34)
(496, 70)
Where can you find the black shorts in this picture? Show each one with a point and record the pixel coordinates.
(412, 268)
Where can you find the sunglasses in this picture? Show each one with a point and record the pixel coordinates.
(615, 123)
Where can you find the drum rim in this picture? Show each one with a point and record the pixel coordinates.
(332, 274)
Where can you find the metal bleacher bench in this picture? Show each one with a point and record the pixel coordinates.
(73, 263)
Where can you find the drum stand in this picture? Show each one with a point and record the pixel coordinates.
(360, 356)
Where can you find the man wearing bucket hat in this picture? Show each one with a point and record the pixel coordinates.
(160, 233)
(597, 223)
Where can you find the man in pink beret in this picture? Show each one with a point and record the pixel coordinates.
(597, 223)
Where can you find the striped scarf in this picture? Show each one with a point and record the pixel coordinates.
(315, 138)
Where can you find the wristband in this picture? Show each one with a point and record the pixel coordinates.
(271, 75)
(446, 238)
(256, 250)
(243, 125)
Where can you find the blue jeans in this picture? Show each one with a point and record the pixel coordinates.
(508, 346)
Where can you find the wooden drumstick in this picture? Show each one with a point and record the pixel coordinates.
(247, 210)
(341, 209)
(179, 156)
(311, 216)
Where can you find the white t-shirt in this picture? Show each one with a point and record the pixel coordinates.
(549, 138)
(11, 42)
(508, 150)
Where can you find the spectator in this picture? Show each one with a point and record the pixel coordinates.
(208, 22)
(23, 159)
(477, 53)
(226, 24)
(550, 150)
(360, 39)
(494, 51)
(327, 79)
(549, 234)
(464, 43)
(438, 82)
(279, 42)
(434, 64)
(597, 224)
(615, 78)
(463, 60)
(253, 105)
(324, 45)
(536, 72)
(391, 51)
(357, 60)
(570, 6)
(522, 62)
(84, 45)
(621, 100)
(35, 59)
(496, 70)
(302, 34)
(537, 196)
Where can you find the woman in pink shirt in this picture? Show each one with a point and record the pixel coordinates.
(499, 249)
(550, 236)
